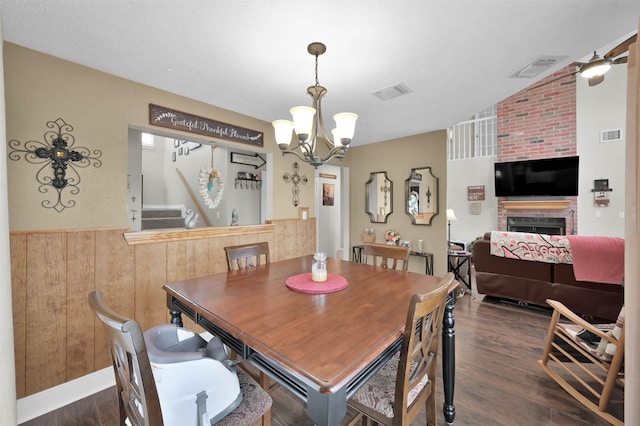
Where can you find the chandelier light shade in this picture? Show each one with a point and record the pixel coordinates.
(595, 67)
(308, 125)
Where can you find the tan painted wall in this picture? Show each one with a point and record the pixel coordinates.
(397, 157)
(100, 107)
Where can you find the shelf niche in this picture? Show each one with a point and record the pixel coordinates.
(538, 204)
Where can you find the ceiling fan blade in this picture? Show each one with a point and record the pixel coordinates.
(595, 80)
(555, 79)
(621, 48)
(622, 60)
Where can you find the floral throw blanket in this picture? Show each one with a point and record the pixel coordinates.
(533, 247)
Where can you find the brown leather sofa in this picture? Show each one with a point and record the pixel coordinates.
(534, 282)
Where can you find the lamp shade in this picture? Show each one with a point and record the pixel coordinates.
(303, 119)
(282, 130)
(595, 67)
(345, 124)
(336, 137)
(451, 215)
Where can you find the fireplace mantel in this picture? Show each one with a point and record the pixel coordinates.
(541, 204)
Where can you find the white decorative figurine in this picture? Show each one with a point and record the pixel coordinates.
(234, 218)
(191, 220)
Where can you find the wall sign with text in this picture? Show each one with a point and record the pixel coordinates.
(178, 120)
(475, 193)
(254, 160)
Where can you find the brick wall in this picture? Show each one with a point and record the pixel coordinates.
(539, 123)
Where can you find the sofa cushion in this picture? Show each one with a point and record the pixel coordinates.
(485, 262)
(599, 301)
(515, 288)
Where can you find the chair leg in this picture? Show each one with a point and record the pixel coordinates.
(354, 421)
(264, 381)
(266, 418)
(555, 317)
(431, 415)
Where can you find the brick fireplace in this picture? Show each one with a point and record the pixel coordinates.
(534, 124)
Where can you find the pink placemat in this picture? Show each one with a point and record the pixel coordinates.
(303, 283)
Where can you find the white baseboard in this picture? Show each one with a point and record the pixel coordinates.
(56, 397)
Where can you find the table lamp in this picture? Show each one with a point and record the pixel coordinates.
(450, 216)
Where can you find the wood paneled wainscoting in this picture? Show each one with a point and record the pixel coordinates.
(56, 337)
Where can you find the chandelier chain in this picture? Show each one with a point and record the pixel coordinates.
(317, 83)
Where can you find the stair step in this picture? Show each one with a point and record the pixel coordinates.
(162, 213)
(162, 222)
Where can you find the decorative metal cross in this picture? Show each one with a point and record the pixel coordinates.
(385, 190)
(296, 179)
(56, 150)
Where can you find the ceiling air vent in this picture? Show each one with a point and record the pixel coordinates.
(391, 92)
(614, 135)
(537, 66)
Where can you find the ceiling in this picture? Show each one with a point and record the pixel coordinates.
(250, 56)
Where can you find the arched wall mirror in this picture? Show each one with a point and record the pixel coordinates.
(421, 196)
(379, 197)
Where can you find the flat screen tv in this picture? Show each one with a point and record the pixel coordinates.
(537, 178)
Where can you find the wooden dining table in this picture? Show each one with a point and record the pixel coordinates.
(321, 347)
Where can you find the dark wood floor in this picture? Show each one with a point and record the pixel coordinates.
(498, 380)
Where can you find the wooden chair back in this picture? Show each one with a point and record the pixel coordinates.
(413, 379)
(418, 356)
(386, 256)
(247, 255)
(136, 389)
(581, 370)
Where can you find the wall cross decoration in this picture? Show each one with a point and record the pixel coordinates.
(56, 151)
(296, 179)
(385, 191)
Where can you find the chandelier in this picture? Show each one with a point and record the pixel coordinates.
(309, 126)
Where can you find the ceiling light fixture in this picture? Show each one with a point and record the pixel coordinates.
(309, 126)
(595, 67)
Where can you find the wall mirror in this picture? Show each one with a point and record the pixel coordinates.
(379, 197)
(421, 196)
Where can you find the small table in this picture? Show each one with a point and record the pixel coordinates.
(457, 259)
(428, 260)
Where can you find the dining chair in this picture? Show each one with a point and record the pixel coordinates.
(386, 256)
(246, 255)
(396, 394)
(241, 257)
(586, 360)
(157, 395)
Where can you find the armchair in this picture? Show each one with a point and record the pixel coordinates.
(586, 360)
